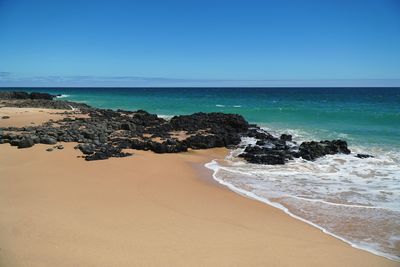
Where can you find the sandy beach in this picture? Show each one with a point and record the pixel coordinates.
(56, 209)
(24, 117)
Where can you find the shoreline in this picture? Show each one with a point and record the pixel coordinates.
(182, 214)
(252, 196)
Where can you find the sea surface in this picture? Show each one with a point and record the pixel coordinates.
(356, 200)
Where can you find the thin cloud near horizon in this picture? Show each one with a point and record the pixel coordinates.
(8, 79)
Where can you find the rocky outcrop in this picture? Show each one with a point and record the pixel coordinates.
(37, 100)
(364, 156)
(105, 133)
(264, 155)
(313, 150)
(25, 142)
(274, 151)
(25, 95)
(43, 103)
(101, 152)
(214, 123)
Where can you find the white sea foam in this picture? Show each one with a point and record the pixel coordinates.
(223, 106)
(165, 117)
(72, 108)
(63, 96)
(330, 193)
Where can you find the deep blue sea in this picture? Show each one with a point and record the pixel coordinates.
(356, 200)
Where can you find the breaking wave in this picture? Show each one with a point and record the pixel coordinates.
(62, 96)
(355, 200)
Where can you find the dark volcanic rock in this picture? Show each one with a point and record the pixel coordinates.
(86, 149)
(37, 100)
(204, 141)
(215, 122)
(25, 143)
(14, 95)
(14, 142)
(272, 151)
(89, 134)
(259, 134)
(105, 152)
(25, 95)
(286, 137)
(265, 155)
(46, 96)
(364, 156)
(44, 103)
(139, 144)
(219, 129)
(48, 140)
(313, 150)
(269, 159)
(128, 126)
(169, 146)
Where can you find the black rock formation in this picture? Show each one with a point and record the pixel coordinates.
(25, 142)
(364, 156)
(25, 95)
(272, 151)
(105, 133)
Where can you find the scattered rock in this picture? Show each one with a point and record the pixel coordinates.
(87, 149)
(272, 151)
(14, 142)
(260, 155)
(49, 149)
(286, 137)
(105, 152)
(48, 140)
(364, 156)
(25, 143)
(313, 150)
(5, 117)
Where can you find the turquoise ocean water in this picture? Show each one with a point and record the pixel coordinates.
(361, 115)
(332, 193)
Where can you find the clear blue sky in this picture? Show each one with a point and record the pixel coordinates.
(203, 42)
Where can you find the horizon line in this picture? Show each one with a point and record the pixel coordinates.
(9, 79)
(166, 87)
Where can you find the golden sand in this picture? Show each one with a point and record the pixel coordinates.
(23, 117)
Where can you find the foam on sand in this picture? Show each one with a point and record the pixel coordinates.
(355, 200)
